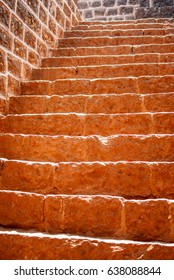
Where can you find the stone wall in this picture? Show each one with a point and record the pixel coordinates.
(125, 9)
(28, 28)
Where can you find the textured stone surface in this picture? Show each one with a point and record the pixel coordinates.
(91, 151)
(90, 148)
(140, 85)
(104, 71)
(77, 124)
(80, 215)
(18, 246)
(99, 41)
(28, 28)
(148, 220)
(14, 213)
(127, 10)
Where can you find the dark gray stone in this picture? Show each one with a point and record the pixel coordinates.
(82, 5)
(163, 3)
(118, 18)
(112, 12)
(167, 12)
(126, 10)
(96, 4)
(108, 3)
(133, 2)
(144, 3)
(129, 17)
(152, 12)
(88, 14)
(99, 12)
(122, 2)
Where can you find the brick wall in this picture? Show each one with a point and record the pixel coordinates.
(28, 28)
(125, 9)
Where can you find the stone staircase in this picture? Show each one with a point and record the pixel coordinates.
(87, 150)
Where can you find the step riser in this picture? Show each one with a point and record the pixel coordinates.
(117, 50)
(99, 216)
(76, 125)
(107, 71)
(124, 26)
(141, 85)
(115, 33)
(97, 60)
(107, 41)
(129, 180)
(15, 246)
(108, 104)
(125, 22)
(93, 148)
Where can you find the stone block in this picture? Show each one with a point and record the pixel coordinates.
(108, 3)
(5, 39)
(96, 4)
(4, 15)
(2, 61)
(122, 2)
(83, 215)
(14, 65)
(20, 49)
(30, 38)
(14, 213)
(33, 4)
(163, 3)
(11, 3)
(147, 220)
(17, 27)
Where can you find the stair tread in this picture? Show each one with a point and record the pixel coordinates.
(45, 214)
(157, 147)
(78, 248)
(122, 178)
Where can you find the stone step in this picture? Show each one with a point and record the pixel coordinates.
(104, 71)
(88, 124)
(112, 41)
(17, 245)
(125, 179)
(125, 25)
(143, 20)
(92, 216)
(139, 85)
(119, 32)
(108, 104)
(113, 50)
(157, 147)
(107, 59)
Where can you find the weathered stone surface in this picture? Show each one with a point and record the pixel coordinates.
(89, 148)
(103, 41)
(104, 71)
(4, 15)
(21, 210)
(147, 220)
(163, 123)
(120, 85)
(109, 104)
(30, 246)
(120, 179)
(164, 48)
(159, 102)
(27, 176)
(162, 3)
(75, 124)
(83, 215)
(162, 180)
(80, 51)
